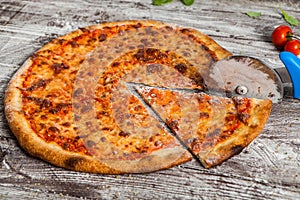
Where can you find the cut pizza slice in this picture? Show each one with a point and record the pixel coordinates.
(213, 128)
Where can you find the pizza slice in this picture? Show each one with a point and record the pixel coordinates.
(213, 128)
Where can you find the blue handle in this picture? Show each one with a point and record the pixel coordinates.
(292, 63)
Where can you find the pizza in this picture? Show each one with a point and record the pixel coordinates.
(82, 101)
(213, 128)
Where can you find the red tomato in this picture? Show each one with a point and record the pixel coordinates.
(281, 35)
(293, 46)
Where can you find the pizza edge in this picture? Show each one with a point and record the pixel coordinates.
(212, 45)
(216, 154)
(259, 115)
(55, 155)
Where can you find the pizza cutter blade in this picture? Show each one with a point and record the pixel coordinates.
(250, 77)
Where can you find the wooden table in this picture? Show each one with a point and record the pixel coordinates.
(267, 169)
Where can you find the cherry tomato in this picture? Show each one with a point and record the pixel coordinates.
(281, 35)
(293, 46)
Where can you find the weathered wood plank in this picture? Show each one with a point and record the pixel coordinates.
(268, 169)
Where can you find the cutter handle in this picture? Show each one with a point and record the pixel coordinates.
(292, 63)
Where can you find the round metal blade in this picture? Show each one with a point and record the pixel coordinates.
(245, 76)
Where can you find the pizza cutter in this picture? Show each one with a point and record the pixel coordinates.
(250, 77)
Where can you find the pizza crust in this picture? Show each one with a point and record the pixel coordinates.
(243, 136)
(212, 45)
(54, 154)
(213, 128)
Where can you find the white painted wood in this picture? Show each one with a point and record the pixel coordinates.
(268, 169)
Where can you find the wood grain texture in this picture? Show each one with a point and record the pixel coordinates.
(268, 169)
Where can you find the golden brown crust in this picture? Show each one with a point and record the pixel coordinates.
(52, 153)
(34, 145)
(56, 155)
(243, 136)
(208, 42)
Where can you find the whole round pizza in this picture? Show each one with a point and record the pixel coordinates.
(129, 97)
